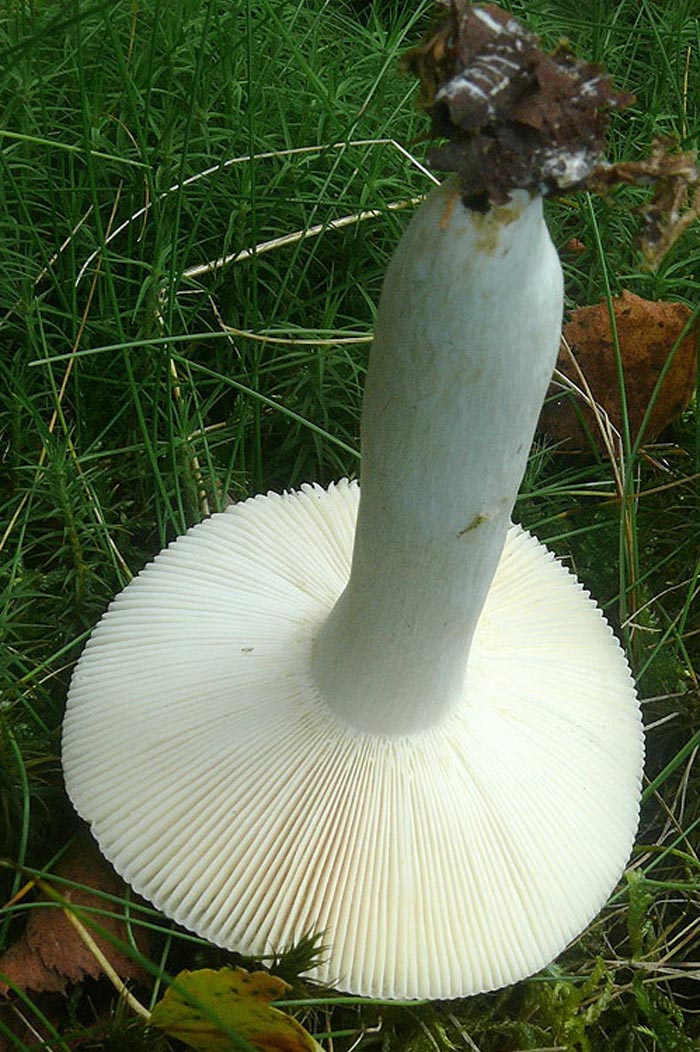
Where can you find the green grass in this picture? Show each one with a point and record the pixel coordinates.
(145, 382)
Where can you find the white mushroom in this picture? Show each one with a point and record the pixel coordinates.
(419, 736)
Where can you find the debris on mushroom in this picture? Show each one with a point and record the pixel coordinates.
(513, 114)
(675, 200)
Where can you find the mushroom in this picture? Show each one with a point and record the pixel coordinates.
(388, 717)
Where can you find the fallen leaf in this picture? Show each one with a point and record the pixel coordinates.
(50, 954)
(647, 332)
(240, 1001)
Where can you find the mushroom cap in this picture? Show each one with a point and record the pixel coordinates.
(438, 864)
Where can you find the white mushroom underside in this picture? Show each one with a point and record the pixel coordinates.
(455, 860)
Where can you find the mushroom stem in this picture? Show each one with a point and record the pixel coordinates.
(466, 339)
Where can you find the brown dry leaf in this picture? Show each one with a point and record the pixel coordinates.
(647, 332)
(574, 246)
(50, 954)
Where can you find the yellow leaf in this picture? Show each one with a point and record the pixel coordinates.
(208, 1010)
